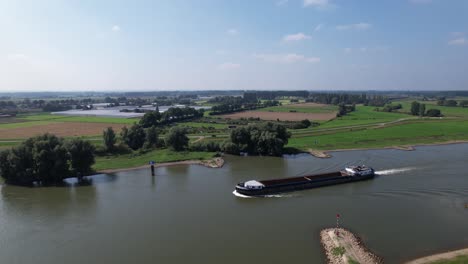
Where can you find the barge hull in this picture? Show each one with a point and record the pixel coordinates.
(298, 186)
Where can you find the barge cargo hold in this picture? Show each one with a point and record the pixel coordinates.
(267, 187)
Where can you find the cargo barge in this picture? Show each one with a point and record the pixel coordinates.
(274, 186)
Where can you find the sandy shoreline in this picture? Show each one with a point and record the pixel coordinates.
(441, 256)
(323, 154)
(211, 163)
(352, 246)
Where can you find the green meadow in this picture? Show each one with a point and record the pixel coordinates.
(300, 109)
(84, 119)
(455, 260)
(25, 124)
(424, 132)
(362, 116)
(137, 159)
(461, 112)
(363, 128)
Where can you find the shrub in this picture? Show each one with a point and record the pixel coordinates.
(230, 148)
(433, 113)
(177, 138)
(338, 251)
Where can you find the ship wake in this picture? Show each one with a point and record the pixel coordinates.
(264, 196)
(393, 171)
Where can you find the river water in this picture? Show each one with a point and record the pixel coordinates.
(188, 214)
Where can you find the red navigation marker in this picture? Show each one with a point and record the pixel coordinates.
(337, 224)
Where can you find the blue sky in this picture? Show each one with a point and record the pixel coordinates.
(87, 45)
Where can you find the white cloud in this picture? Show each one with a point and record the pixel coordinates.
(458, 41)
(286, 58)
(296, 37)
(420, 1)
(358, 26)
(312, 59)
(318, 27)
(375, 49)
(457, 34)
(115, 28)
(232, 32)
(316, 3)
(281, 2)
(17, 57)
(229, 66)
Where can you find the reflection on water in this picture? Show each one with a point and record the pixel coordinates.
(188, 214)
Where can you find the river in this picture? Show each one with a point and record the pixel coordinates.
(188, 213)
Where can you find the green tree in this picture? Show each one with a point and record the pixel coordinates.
(46, 159)
(124, 134)
(150, 119)
(50, 158)
(450, 103)
(415, 108)
(82, 157)
(109, 138)
(266, 139)
(16, 165)
(433, 113)
(422, 109)
(306, 123)
(152, 137)
(177, 138)
(463, 103)
(135, 137)
(230, 148)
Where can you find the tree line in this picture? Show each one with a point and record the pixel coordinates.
(419, 109)
(145, 134)
(46, 160)
(173, 114)
(348, 99)
(232, 104)
(442, 101)
(136, 137)
(389, 108)
(262, 139)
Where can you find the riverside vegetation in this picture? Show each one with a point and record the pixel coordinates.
(362, 120)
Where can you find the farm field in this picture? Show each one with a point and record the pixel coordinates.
(62, 129)
(24, 126)
(85, 119)
(302, 108)
(283, 116)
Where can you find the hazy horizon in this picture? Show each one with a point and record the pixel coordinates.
(315, 45)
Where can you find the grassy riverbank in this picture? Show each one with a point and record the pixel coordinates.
(137, 160)
(451, 257)
(425, 132)
(456, 260)
(364, 128)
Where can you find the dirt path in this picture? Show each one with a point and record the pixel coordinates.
(442, 256)
(200, 138)
(354, 249)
